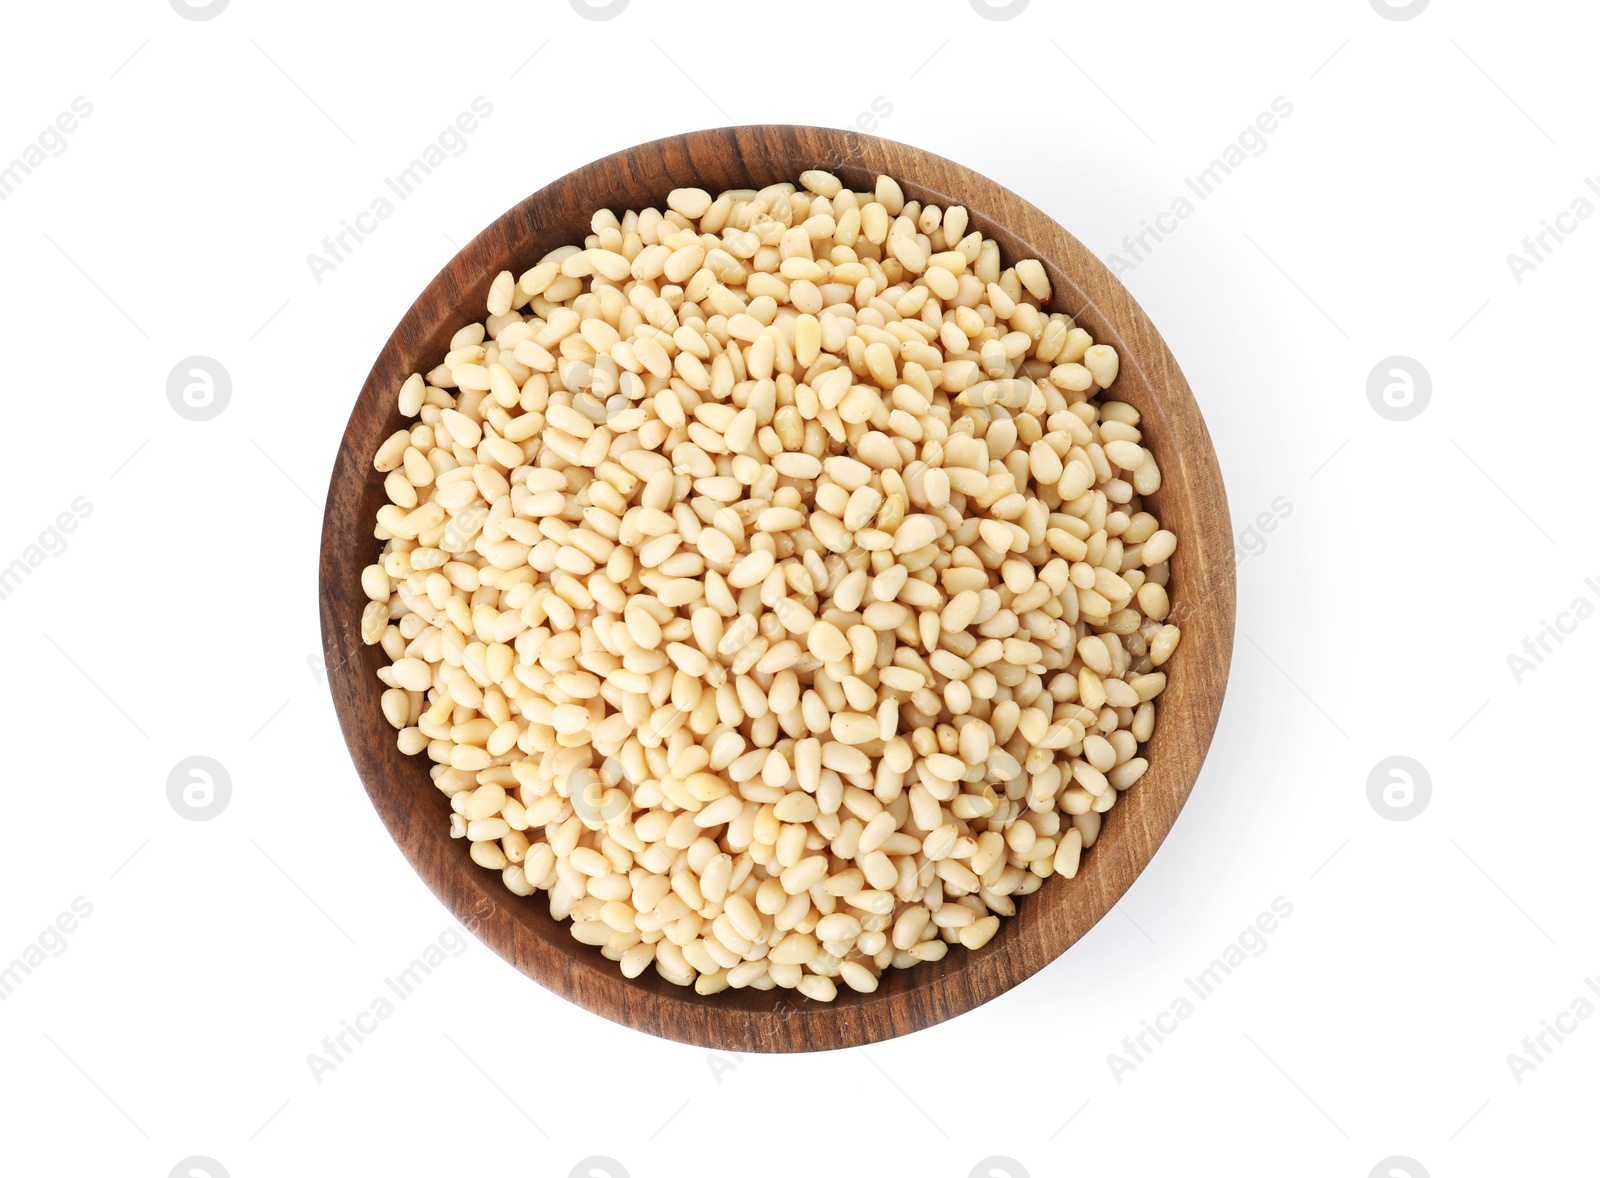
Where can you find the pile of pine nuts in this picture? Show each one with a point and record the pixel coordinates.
(770, 584)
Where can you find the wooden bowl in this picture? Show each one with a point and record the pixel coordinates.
(1191, 502)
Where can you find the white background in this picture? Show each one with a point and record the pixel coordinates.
(1375, 620)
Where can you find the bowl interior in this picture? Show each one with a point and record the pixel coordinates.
(1191, 502)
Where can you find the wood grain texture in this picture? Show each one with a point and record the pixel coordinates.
(1191, 502)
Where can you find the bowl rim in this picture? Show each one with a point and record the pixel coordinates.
(778, 1020)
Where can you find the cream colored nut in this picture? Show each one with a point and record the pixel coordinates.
(1101, 360)
(691, 202)
(746, 556)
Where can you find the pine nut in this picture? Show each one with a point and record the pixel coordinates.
(748, 555)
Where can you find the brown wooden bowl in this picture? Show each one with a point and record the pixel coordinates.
(1191, 502)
